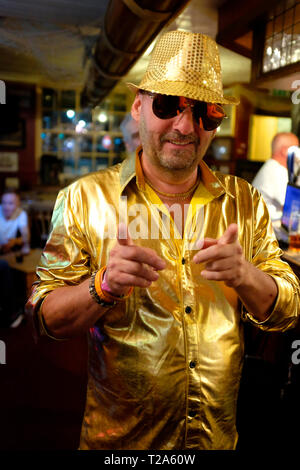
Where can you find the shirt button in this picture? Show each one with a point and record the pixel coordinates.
(192, 364)
(192, 413)
(183, 261)
(188, 309)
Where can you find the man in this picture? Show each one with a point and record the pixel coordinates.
(272, 178)
(163, 316)
(130, 132)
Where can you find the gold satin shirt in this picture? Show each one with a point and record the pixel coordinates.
(164, 368)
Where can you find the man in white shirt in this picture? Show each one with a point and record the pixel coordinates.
(272, 178)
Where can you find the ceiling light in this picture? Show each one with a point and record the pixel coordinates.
(70, 113)
(102, 117)
(80, 126)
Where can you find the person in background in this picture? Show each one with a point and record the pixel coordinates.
(163, 308)
(130, 132)
(14, 236)
(14, 228)
(272, 178)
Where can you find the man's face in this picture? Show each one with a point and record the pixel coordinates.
(10, 202)
(176, 144)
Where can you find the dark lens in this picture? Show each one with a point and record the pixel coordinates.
(165, 106)
(199, 110)
(213, 116)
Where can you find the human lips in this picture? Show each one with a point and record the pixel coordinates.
(179, 141)
(181, 144)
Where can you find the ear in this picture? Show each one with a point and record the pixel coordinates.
(136, 107)
(284, 151)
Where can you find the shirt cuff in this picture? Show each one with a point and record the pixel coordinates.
(284, 313)
(43, 329)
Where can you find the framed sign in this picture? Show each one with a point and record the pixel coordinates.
(9, 162)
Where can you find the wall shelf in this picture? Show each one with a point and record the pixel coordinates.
(83, 140)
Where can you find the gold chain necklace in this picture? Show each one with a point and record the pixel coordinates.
(174, 195)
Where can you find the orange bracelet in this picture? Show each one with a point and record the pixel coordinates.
(106, 295)
(98, 283)
(111, 296)
(105, 292)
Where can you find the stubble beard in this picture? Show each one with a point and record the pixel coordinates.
(175, 160)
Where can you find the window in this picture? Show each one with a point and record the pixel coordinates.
(282, 39)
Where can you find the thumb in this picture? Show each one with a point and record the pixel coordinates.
(123, 235)
(229, 236)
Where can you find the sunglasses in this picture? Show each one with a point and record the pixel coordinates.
(207, 115)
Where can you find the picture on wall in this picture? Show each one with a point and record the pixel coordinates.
(9, 162)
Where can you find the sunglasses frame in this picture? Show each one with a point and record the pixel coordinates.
(181, 109)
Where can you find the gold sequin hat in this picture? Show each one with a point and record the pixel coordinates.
(185, 64)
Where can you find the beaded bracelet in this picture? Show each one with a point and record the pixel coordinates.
(95, 295)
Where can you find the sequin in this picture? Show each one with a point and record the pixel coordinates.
(185, 64)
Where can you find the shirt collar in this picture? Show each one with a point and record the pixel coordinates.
(211, 181)
(131, 168)
(128, 169)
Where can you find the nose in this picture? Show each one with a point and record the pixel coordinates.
(184, 122)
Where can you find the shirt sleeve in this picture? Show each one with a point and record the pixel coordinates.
(266, 256)
(65, 260)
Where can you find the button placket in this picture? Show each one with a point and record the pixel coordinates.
(191, 350)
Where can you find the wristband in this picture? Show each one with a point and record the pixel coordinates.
(104, 285)
(107, 294)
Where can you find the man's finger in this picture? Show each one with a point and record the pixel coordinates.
(144, 255)
(138, 253)
(141, 270)
(123, 235)
(210, 254)
(229, 236)
(205, 243)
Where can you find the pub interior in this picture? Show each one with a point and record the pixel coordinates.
(63, 71)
